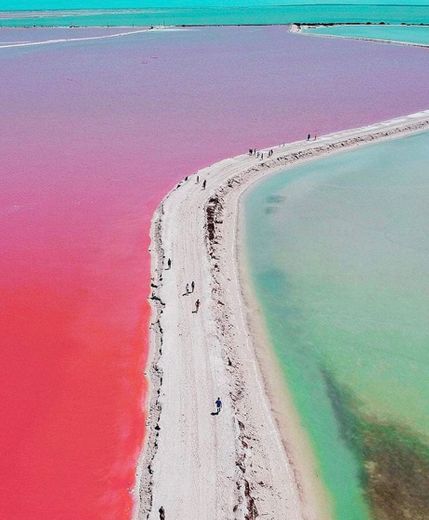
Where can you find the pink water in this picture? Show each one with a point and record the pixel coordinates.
(92, 136)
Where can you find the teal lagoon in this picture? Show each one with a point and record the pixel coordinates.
(338, 258)
(418, 35)
(27, 5)
(280, 14)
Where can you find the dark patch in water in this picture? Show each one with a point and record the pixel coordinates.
(395, 462)
(398, 473)
(275, 199)
(269, 210)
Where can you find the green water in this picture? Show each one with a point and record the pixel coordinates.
(338, 252)
(409, 34)
(317, 13)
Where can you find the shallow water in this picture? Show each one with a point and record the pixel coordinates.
(338, 251)
(283, 14)
(408, 34)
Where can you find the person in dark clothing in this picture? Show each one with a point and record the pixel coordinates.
(169, 263)
(161, 511)
(218, 404)
(204, 184)
(308, 137)
(197, 306)
(192, 286)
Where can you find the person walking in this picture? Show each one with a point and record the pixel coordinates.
(218, 404)
(197, 306)
(308, 137)
(192, 286)
(161, 512)
(204, 184)
(169, 263)
(187, 289)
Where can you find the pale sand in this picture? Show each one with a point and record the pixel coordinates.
(297, 29)
(251, 461)
(9, 45)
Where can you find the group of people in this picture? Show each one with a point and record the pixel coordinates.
(203, 184)
(260, 155)
(189, 289)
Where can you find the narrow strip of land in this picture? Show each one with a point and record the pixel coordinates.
(241, 463)
(306, 30)
(9, 45)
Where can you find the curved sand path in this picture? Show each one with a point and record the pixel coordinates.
(240, 464)
(298, 29)
(9, 45)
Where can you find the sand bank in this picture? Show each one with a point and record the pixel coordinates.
(298, 29)
(248, 461)
(8, 45)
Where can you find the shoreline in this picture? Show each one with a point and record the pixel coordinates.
(11, 45)
(245, 462)
(298, 29)
(294, 437)
(294, 28)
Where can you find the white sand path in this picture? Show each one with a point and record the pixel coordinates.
(305, 30)
(243, 463)
(9, 45)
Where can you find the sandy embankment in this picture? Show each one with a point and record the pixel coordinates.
(8, 45)
(301, 29)
(251, 460)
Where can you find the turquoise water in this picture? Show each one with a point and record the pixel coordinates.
(118, 4)
(338, 252)
(409, 34)
(338, 13)
(28, 5)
